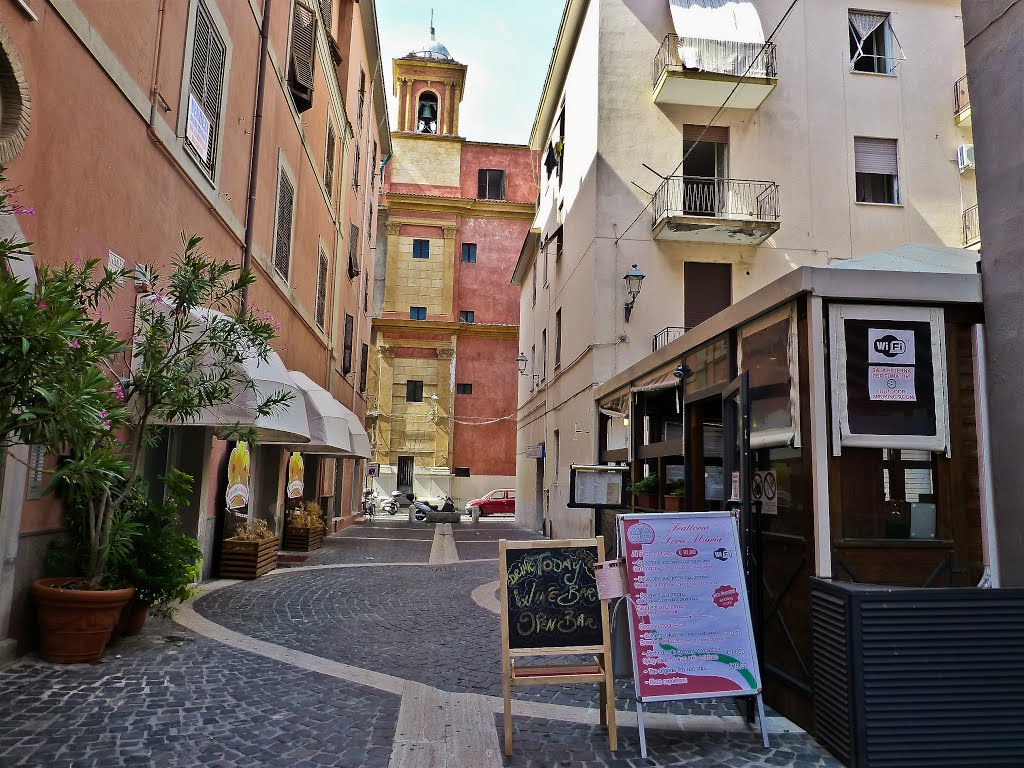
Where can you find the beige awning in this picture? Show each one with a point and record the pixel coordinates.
(665, 379)
(357, 433)
(288, 423)
(328, 424)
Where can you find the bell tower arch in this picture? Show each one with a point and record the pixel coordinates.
(428, 84)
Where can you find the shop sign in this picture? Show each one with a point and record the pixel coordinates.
(535, 451)
(296, 476)
(238, 476)
(891, 345)
(891, 383)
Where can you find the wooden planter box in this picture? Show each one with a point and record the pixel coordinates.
(248, 559)
(303, 539)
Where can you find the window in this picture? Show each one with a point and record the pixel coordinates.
(301, 57)
(536, 267)
(205, 90)
(346, 352)
(543, 354)
(321, 291)
(490, 184)
(558, 448)
(329, 160)
(362, 96)
(326, 10)
(355, 171)
(463, 389)
(558, 338)
(426, 113)
(413, 391)
(353, 252)
(467, 316)
(707, 290)
(898, 498)
(366, 293)
(877, 170)
(462, 472)
(364, 360)
(373, 172)
(533, 364)
(283, 235)
(469, 253)
(421, 249)
(559, 240)
(417, 313)
(872, 43)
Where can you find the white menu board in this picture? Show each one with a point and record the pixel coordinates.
(597, 486)
(690, 625)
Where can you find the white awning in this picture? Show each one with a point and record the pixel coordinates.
(722, 36)
(287, 424)
(357, 433)
(328, 420)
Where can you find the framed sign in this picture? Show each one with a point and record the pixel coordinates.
(889, 387)
(597, 487)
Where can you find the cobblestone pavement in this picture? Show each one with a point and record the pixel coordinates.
(173, 698)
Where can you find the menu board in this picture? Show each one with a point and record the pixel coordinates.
(550, 595)
(597, 486)
(690, 621)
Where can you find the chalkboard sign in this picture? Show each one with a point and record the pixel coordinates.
(551, 597)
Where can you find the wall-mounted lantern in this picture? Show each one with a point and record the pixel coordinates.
(634, 282)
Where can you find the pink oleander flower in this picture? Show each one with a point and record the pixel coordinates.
(106, 424)
(42, 305)
(76, 344)
(119, 391)
(20, 210)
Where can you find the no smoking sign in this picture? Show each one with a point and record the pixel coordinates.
(764, 487)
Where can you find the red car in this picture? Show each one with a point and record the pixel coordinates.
(502, 500)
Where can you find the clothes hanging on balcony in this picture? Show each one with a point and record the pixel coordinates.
(723, 36)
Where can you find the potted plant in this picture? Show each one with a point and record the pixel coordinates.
(249, 552)
(69, 382)
(304, 528)
(674, 492)
(646, 492)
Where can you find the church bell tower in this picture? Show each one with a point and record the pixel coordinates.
(428, 85)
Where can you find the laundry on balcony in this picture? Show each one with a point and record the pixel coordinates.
(721, 36)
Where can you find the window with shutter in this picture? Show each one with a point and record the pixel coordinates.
(206, 89)
(490, 184)
(329, 160)
(303, 50)
(877, 168)
(355, 170)
(469, 253)
(353, 252)
(321, 291)
(373, 167)
(346, 352)
(362, 96)
(363, 363)
(326, 13)
(283, 235)
(417, 313)
(707, 290)
(558, 338)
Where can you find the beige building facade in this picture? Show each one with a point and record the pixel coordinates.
(835, 140)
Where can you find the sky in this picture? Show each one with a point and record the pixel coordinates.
(506, 45)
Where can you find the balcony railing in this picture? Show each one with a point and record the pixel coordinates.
(972, 226)
(961, 96)
(723, 57)
(717, 198)
(665, 335)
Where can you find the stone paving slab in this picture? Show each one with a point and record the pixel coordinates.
(339, 550)
(171, 699)
(546, 744)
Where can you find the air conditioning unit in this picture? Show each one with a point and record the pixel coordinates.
(965, 157)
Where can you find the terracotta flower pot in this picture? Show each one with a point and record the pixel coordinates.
(674, 503)
(132, 620)
(75, 624)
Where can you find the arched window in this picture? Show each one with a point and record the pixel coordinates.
(427, 113)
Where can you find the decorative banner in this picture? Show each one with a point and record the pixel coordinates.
(296, 476)
(690, 624)
(891, 383)
(895, 347)
(238, 476)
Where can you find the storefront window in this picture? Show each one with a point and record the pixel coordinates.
(894, 492)
(708, 366)
(767, 353)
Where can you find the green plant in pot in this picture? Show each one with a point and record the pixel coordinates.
(96, 398)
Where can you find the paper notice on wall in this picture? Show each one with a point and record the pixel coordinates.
(611, 578)
(891, 383)
(197, 128)
(886, 345)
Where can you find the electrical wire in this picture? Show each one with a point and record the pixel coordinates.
(718, 113)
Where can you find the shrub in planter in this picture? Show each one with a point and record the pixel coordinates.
(304, 528)
(250, 552)
(646, 492)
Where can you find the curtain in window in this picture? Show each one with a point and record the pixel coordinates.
(723, 36)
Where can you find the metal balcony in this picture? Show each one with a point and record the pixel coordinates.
(699, 72)
(972, 227)
(962, 102)
(707, 210)
(665, 335)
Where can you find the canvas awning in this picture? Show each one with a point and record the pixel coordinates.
(328, 423)
(665, 379)
(288, 423)
(718, 35)
(358, 436)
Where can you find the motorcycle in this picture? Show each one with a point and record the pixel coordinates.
(369, 504)
(420, 508)
(391, 504)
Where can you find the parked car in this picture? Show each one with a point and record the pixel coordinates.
(501, 500)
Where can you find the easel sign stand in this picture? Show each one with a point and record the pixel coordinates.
(550, 607)
(690, 630)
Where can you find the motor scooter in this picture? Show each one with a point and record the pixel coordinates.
(420, 508)
(391, 505)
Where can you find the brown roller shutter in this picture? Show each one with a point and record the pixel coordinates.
(713, 133)
(875, 155)
(707, 290)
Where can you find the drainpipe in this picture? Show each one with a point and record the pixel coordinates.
(257, 132)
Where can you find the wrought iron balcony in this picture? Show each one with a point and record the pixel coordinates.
(708, 210)
(972, 227)
(701, 72)
(962, 102)
(665, 335)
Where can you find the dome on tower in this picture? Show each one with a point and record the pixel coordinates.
(431, 49)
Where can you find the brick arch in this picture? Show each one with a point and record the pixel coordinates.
(15, 101)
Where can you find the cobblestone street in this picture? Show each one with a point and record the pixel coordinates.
(373, 651)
